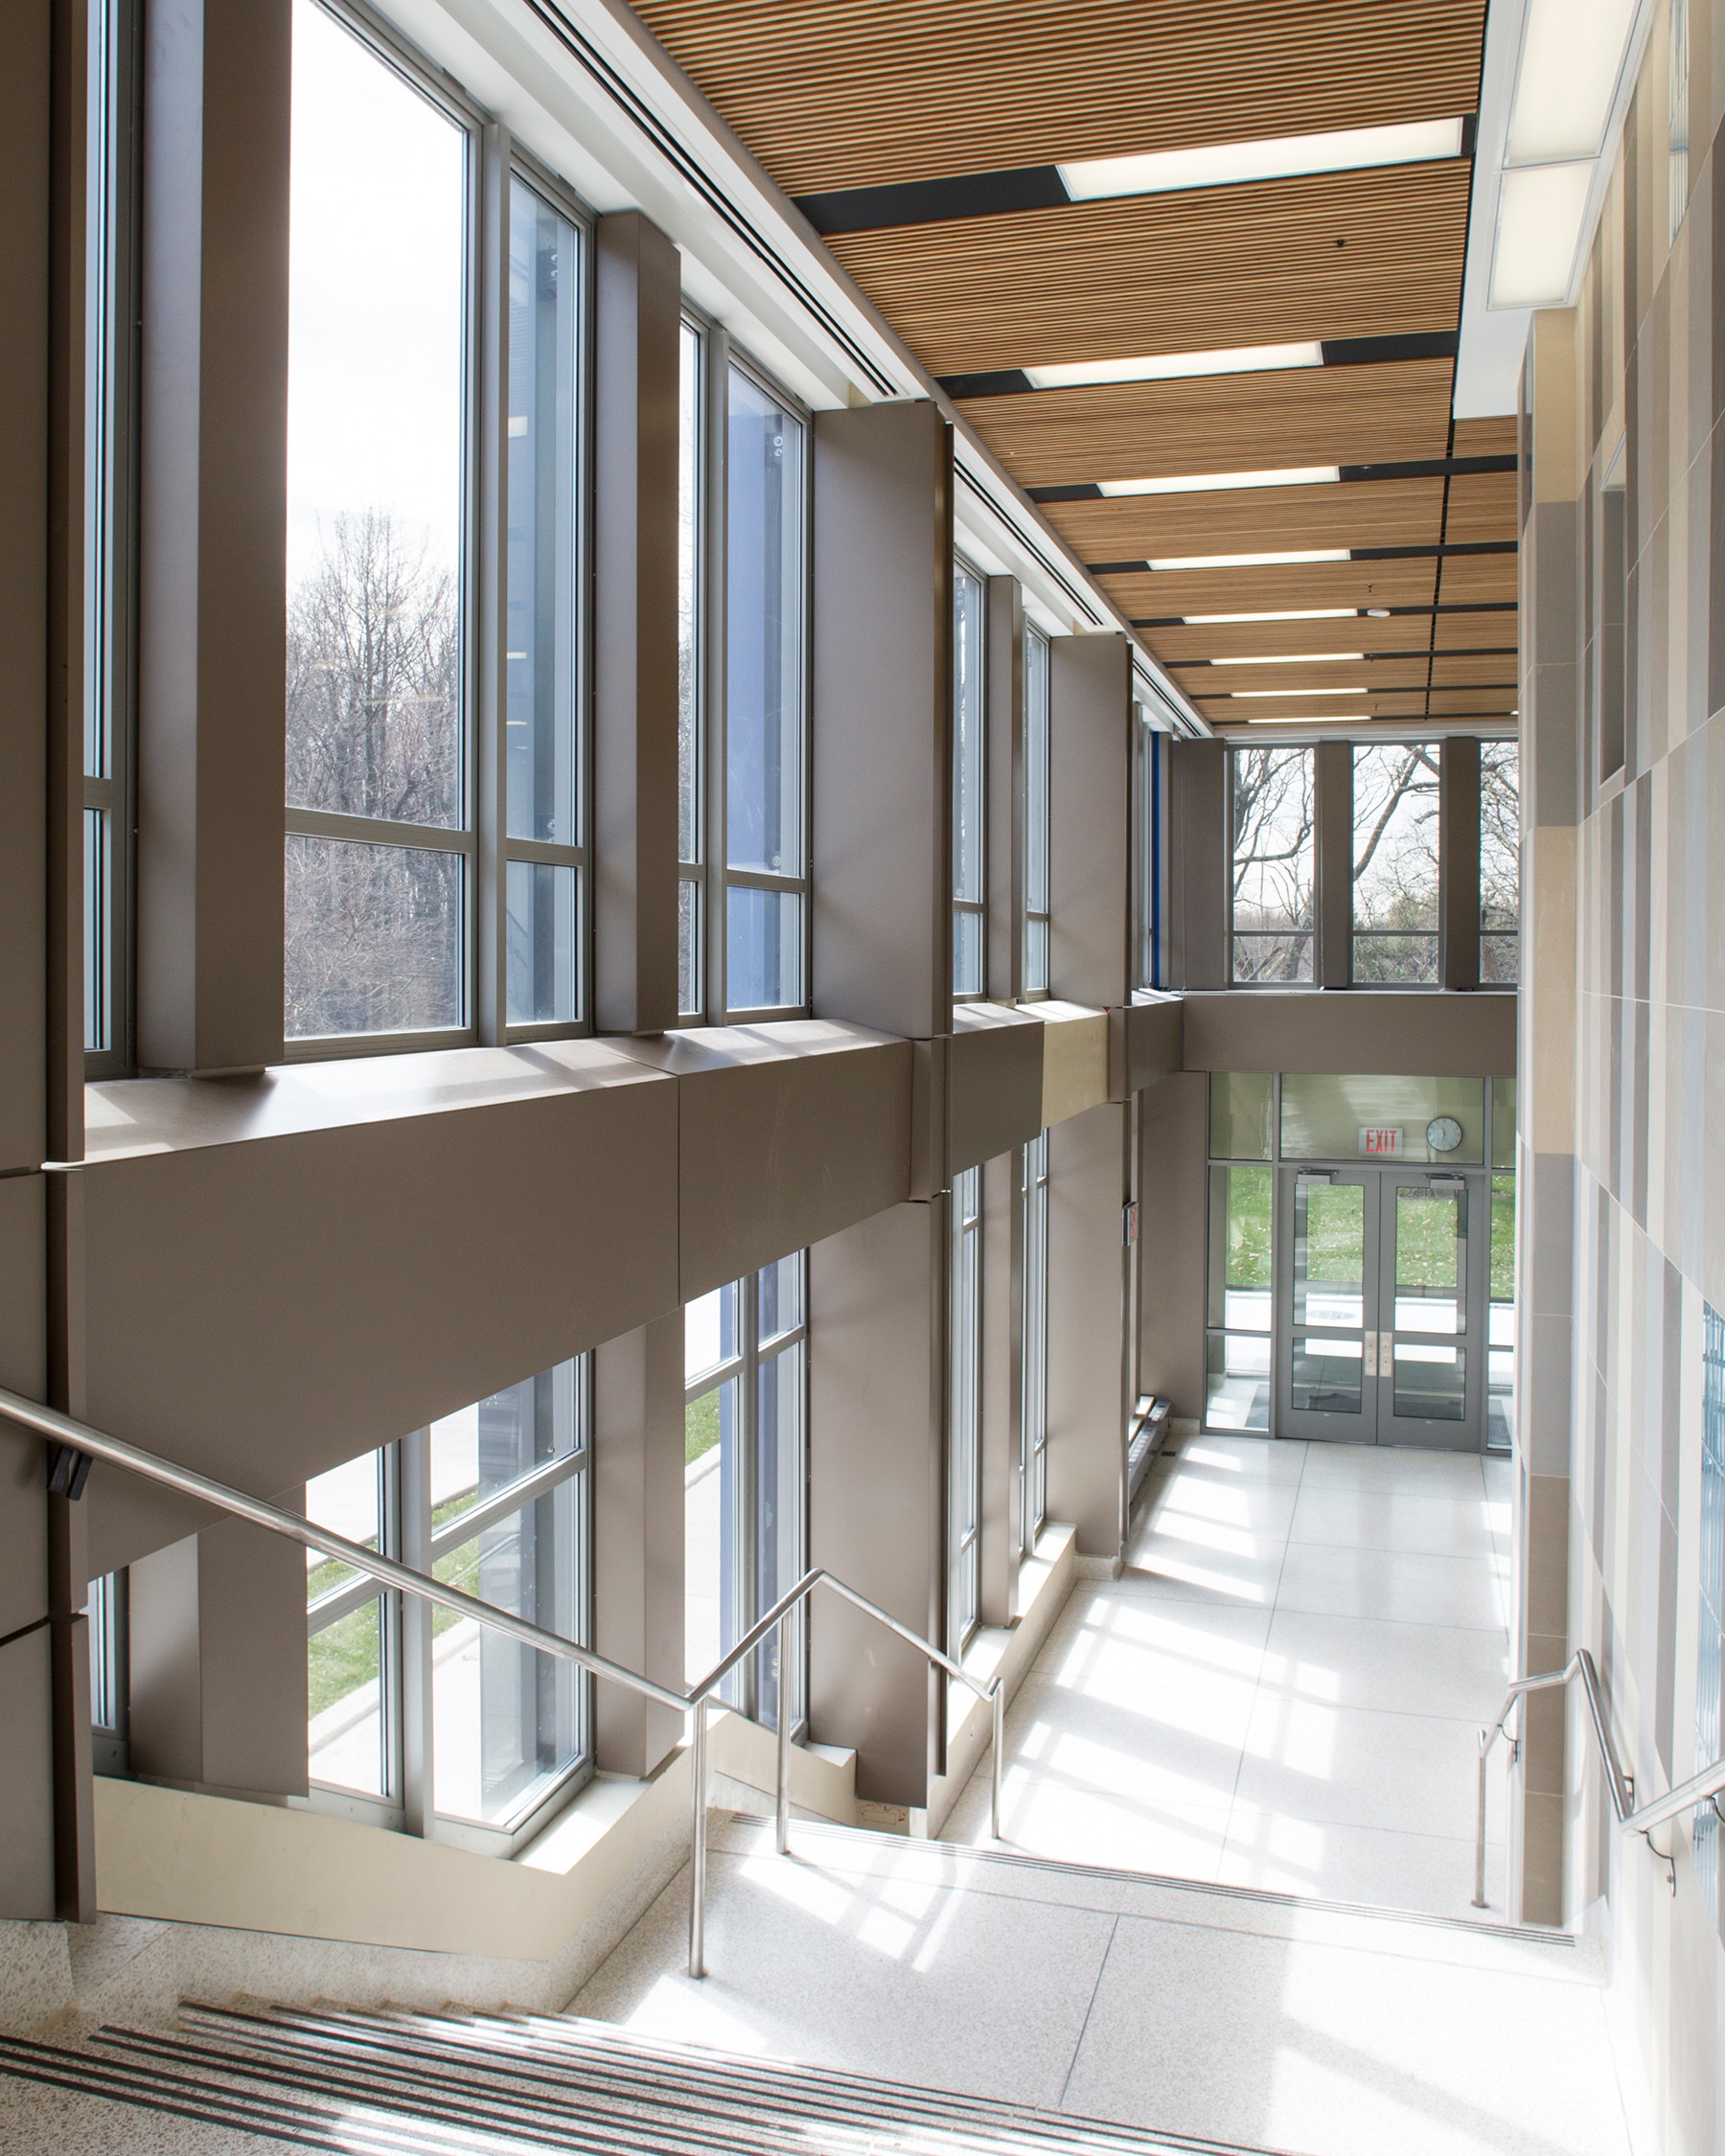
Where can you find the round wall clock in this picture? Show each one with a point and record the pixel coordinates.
(1443, 1134)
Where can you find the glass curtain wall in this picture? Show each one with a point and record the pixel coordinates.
(419, 902)
(379, 846)
(743, 692)
(1273, 811)
(543, 660)
(1036, 812)
(1239, 1300)
(1395, 863)
(766, 895)
(967, 768)
(1033, 1337)
(691, 555)
(110, 465)
(1500, 862)
(746, 1476)
(964, 1443)
(493, 1499)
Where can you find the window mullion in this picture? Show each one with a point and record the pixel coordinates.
(490, 364)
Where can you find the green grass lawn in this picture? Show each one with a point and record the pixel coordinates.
(1426, 1230)
(701, 1427)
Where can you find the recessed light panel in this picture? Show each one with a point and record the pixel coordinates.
(1251, 560)
(1176, 366)
(1540, 208)
(1332, 691)
(1571, 55)
(1288, 659)
(1228, 164)
(1298, 613)
(1222, 482)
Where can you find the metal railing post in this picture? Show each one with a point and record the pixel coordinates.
(698, 1841)
(1000, 1748)
(1478, 1893)
(784, 1736)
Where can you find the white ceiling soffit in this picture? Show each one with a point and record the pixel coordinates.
(1558, 79)
(582, 85)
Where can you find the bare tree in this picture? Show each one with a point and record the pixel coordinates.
(1274, 820)
(375, 936)
(1395, 863)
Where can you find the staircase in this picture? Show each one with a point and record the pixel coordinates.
(471, 2085)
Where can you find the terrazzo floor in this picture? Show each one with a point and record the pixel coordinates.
(1285, 1686)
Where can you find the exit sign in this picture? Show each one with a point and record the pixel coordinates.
(1380, 1138)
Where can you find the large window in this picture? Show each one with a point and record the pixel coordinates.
(743, 607)
(1239, 1302)
(1500, 862)
(968, 788)
(1273, 814)
(110, 465)
(415, 1711)
(1036, 812)
(435, 818)
(964, 1441)
(1033, 1337)
(1149, 868)
(1395, 863)
(744, 1536)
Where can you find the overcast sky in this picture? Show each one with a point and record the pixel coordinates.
(373, 412)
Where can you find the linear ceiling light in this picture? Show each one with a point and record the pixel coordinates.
(1227, 164)
(1331, 690)
(1540, 209)
(1298, 613)
(1304, 719)
(1176, 366)
(1571, 55)
(1223, 482)
(1250, 561)
(1288, 659)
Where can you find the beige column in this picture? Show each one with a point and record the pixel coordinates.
(877, 1499)
(1087, 1318)
(213, 538)
(1089, 820)
(882, 719)
(1198, 876)
(638, 1537)
(638, 324)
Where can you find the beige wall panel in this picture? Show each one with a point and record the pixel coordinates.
(995, 1080)
(1145, 1043)
(251, 1610)
(1002, 1348)
(1198, 773)
(1089, 798)
(882, 718)
(1174, 1138)
(23, 1369)
(1076, 1060)
(876, 1491)
(1428, 1034)
(787, 1134)
(27, 1884)
(264, 1311)
(1086, 1305)
(23, 579)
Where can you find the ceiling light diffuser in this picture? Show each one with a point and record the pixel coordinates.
(1299, 613)
(1176, 366)
(1540, 209)
(1288, 659)
(1304, 719)
(1331, 690)
(1222, 482)
(1227, 164)
(1251, 560)
(1571, 55)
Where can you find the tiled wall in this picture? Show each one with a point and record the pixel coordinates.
(1623, 1130)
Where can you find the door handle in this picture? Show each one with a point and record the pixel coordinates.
(1372, 1354)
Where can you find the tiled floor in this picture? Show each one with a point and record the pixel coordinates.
(1285, 1686)
(1243, 2023)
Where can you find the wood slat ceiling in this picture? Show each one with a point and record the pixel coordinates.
(1408, 672)
(1335, 255)
(1254, 521)
(1167, 593)
(1295, 419)
(1481, 506)
(831, 94)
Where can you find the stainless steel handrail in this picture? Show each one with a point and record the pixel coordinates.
(1701, 1788)
(59, 1429)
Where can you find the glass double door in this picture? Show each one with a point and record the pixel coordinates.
(1383, 1306)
